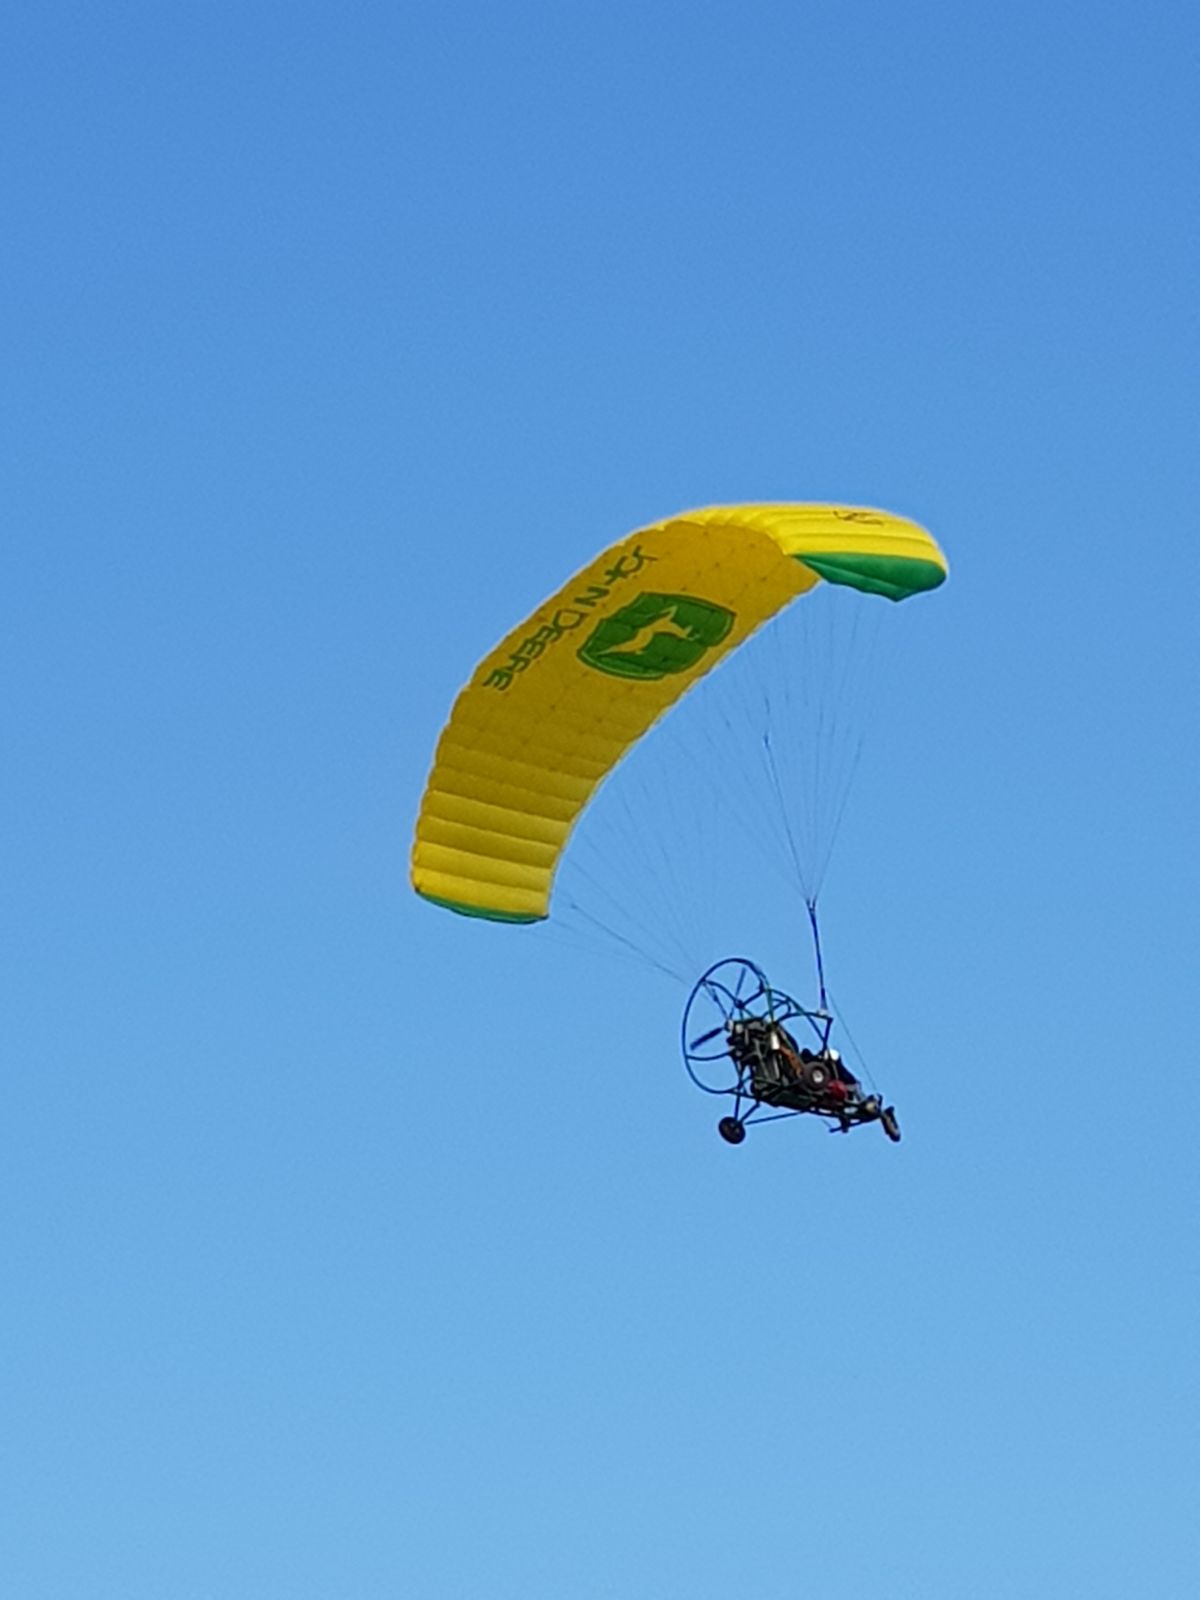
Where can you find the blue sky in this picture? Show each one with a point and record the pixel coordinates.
(351, 1249)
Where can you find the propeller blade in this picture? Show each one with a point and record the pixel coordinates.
(705, 1037)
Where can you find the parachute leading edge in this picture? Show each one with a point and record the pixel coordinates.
(553, 708)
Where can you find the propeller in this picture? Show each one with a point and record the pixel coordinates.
(705, 1037)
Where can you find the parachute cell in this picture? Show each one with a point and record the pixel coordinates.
(557, 704)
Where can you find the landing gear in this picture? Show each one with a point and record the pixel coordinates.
(890, 1126)
(731, 1130)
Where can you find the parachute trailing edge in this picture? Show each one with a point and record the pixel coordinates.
(554, 707)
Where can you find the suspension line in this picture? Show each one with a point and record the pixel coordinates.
(811, 906)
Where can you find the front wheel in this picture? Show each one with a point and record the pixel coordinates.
(890, 1126)
(731, 1130)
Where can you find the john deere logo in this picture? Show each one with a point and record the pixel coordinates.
(655, 635)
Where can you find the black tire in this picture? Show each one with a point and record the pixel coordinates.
(890, 1126)
(731, 1130)
(816, 1076)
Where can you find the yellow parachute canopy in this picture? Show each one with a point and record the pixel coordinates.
(557, 704)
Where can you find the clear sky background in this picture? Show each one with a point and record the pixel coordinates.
(350, 1249)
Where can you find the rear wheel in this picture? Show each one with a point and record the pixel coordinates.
(731, 1130)
(816, 1075)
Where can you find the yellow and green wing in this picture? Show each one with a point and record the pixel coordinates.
(559, 701)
